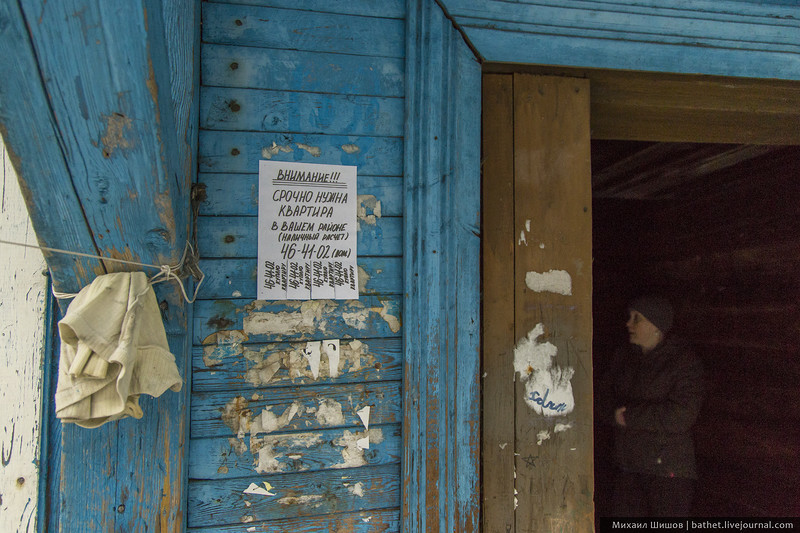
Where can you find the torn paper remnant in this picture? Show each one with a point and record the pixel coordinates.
(331, 348)
(255, 489)
(312, 353)
(548, 389)
(363, 414)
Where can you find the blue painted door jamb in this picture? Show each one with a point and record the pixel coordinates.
(441, 451)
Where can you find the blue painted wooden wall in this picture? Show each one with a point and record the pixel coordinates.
(326, 82)
(316, 82)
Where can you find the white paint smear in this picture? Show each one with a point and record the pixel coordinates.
(542, 436)
(357, 489)
(312, 353)
(522, 239)
(557, 281)
(269, 421)
(560, 428)
(528, 225)
(331, 348)
(352, 452)
(308, 499)
(330, 413)
(548, 389)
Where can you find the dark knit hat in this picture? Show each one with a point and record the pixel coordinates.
(656, 309)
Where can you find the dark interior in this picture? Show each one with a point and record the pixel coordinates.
(715, 228)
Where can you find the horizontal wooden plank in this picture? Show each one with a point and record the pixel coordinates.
(721, 361)
(240, 152)
(238, 237)
(754, 397)
(228, 457)
(237, 194)
(724, 32)
(260, 321)
(741, 440)
(384, 8)
(304, 494)
(624, 121)
(384, 520)
(658, 106)
(741, 326)
(306, 408)
(698, 23)
(574, 50)
(261, 68)
(232, 109)
(292, 29)
(230, 364)
(236, 278)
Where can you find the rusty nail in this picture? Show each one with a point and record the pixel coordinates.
(235, 107)
(235, 151)
(121, 509)
(238, 22)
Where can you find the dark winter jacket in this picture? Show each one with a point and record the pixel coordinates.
(662, 391)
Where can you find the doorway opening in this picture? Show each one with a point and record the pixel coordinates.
(695, 188)
(715, 228)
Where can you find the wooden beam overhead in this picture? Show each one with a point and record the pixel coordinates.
(645, 106)
(98, 109)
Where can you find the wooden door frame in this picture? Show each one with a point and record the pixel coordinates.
(441, 383)
(624, 106)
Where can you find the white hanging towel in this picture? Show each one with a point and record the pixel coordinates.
(113, 348)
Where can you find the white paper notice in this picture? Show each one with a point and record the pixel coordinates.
(307, 231)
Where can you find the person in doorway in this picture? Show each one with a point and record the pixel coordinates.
(656, 395)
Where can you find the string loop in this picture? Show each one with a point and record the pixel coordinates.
(187, 266)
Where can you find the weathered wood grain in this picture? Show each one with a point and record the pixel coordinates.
(239, 152)
(261, 68)
(718, 38)
(719, 26)
(236, 278)
(240, 413)
(618, 54)
(366, 8)
(122, 130)
(498, 394)
(275, 453)
(316, 86)
(441, 473)
(284, 111)
(23, 305)
(296, 495)
(382, 520)
(368, 317)
(32, 145)
(236, 237)
(552, 197)
(232, 365)
(302, 30)
(237, 194)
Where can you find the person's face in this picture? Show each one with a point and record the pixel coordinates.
(642, 332)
